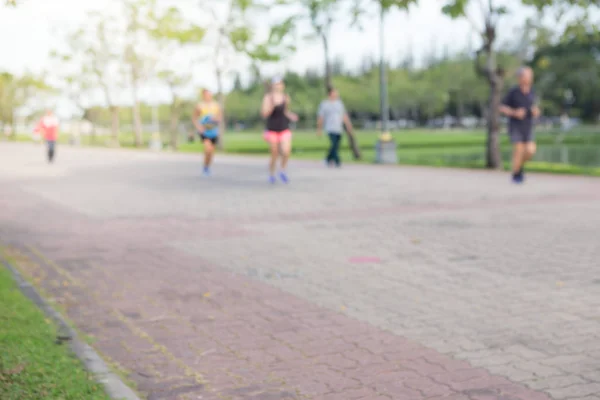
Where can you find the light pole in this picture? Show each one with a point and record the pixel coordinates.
(568, 103)
(156, 142)
(383, 96)
(386, 146)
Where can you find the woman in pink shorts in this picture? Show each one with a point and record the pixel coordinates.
(276, 110)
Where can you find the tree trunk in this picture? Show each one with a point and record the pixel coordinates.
(460, 111)
(137, 119)
(493, 155)
(495, 78)
(174, 125)
(12, 132)
(328, 73)
(496, 81)
(11, 126)
(222, 124)
(93, 133)
(114, 112)
(483, 108)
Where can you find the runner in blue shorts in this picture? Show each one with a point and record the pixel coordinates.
(206, 118)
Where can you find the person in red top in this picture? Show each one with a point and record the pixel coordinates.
(47, 127)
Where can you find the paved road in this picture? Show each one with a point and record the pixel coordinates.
(359, 283)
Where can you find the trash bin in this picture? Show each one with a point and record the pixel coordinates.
(156, 142)
(385, 150)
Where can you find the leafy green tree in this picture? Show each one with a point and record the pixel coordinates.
(17, 92)
(172, 33)
(92, 47)
(175, 82)
(139, 56)
(73, 83)
(487, 67)
(322, 15)
(570, 67)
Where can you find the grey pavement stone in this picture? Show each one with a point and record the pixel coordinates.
(593, 376)
(512, 373)
(525, 352)
(587, 398)
(574, 391)
(554, 382)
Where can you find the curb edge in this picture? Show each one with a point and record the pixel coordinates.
(114, 386)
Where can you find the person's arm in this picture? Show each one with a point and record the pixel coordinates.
(347, 120)
(518, 113)
(291, 116)
(195, 117)
(267, 106)
(348, 123)
(507, 109)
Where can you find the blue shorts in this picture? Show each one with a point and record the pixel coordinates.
(211, 134)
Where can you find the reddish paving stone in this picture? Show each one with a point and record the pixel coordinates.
(215, 334)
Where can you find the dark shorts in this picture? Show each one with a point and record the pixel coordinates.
(517, 136)
(213, 140)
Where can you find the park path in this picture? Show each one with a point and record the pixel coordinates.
(360, 283)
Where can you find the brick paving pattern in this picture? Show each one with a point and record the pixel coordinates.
(360, 283)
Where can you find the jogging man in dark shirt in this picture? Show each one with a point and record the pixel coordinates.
(520, 107)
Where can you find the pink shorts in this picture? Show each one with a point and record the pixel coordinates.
(277, 137)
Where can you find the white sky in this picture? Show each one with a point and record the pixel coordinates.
(29, 32)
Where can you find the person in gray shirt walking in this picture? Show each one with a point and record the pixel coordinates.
(332, 117)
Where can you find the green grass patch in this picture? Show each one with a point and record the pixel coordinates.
(440, 148)
(32, 365)
(555, 168)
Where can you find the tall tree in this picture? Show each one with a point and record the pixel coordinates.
(140, 56)
(73, 82)
(173, 34)
(176, 82)
(486, 63)
(570, 69)
(322, 15)
(17, 92)
(487, 67)
(94, 47)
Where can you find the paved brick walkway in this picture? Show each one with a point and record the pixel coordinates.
(361, 283)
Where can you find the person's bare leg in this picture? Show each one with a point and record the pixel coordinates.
(274, 154)
(286, 150)
(517, 159)
(530, 149)
(209, 151)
